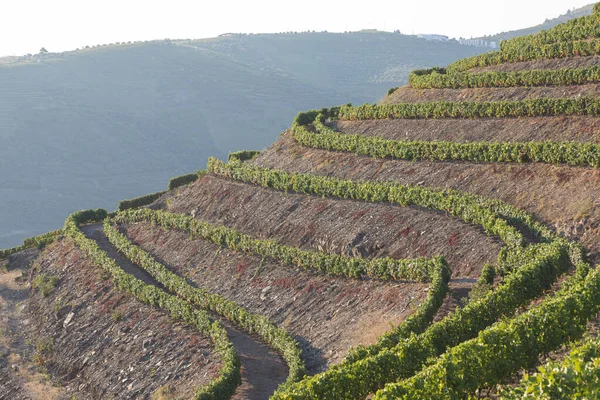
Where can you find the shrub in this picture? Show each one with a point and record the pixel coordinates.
(45, 283)
(243, 155)
(182, 180)
(139, 201)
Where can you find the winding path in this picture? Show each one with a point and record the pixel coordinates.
(262, 368)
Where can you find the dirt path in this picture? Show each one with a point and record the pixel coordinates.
(262, 368)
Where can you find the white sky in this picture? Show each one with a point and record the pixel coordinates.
(58, 25)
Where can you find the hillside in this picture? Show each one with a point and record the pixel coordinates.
(439, 244)
(548, 24)
(159, 109)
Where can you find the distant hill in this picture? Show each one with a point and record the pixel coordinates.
(90, 127)
(549, 23)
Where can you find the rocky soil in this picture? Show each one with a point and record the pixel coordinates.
(90, 340)
(565, 198)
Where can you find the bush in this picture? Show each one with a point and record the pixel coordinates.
(182, 180)
(139, 201)
(243, 155)
(45, 283)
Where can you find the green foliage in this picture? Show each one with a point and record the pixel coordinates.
(577, 376)
(432, 79)
(571, 153)
(417, 269)
(532, 270)
(466, 109)
(40, 242)
(139, 201)
(45, 283)
(392, 90)
(507, 346)
(597, 8)
(243, 155)
(564, 40)
(278, 338)
(182, 180)
(229, 378)
(87, 216)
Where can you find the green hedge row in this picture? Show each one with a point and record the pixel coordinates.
(139, 201)
(571, 153)
(501, 350)
(222, 387)
(182, 180)
(369, 369)
(468, 109)
(430, 79)
(40, 242)
(386, 268)
(467, 208)
(535, 269)
(243, 155)
(416, 323)
(529, 53)
(577, 376)
(257, 324)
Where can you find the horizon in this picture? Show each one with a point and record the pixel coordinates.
(159, 23)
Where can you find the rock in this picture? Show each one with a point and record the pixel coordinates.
(68, 319)
(263, 294)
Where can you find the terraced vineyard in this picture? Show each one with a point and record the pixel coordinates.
(439, 245)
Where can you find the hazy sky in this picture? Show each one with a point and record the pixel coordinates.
(27, 25)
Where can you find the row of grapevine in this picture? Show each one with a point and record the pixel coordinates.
(182, 180)
(571, 153)
(468, 109)
(576, 29)
(386, 268)
(414, 324)
(39, 242)
(439, 78)
(534, 269)
(584, 48)
(576, 376)
(501, 350)
(229, 378)
(140, 201)
(257, 324)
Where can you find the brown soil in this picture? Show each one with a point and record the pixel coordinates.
(20, 378)
(565, 198)
(103, 343)
(407, 94)
(341, 226)
(262, 369)
(326, 315)
(580, 129)
(571, 62)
